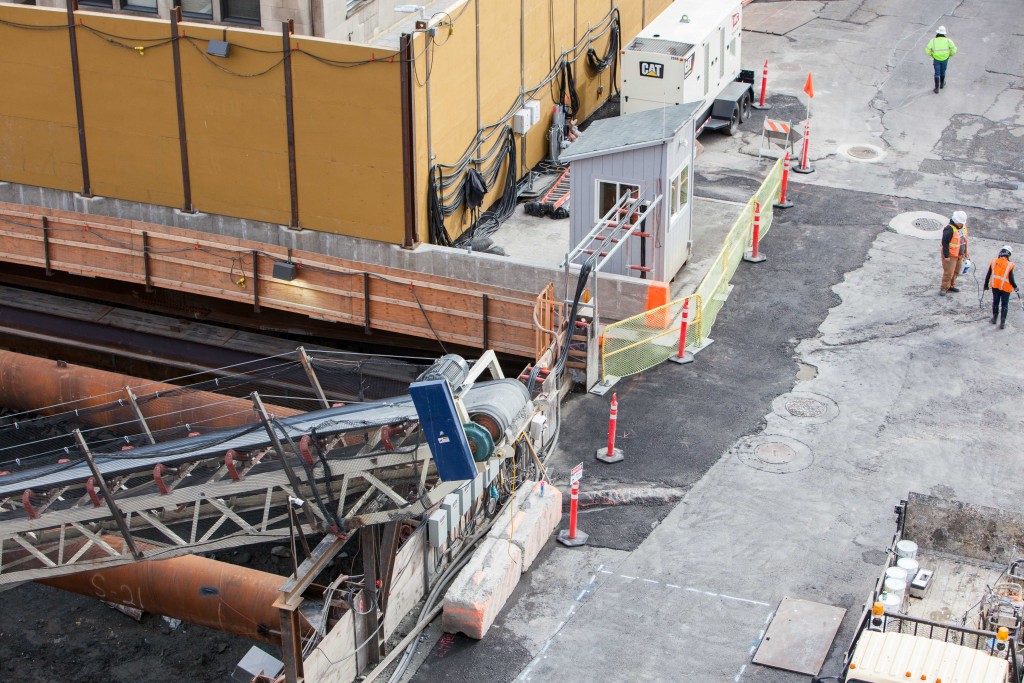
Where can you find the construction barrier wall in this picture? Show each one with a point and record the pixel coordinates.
(714, 288)
(630, 346)
(347, 141)
(344, 156)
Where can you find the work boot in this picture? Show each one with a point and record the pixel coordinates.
(1002, 324)
(942, 83)
(936, 86)
(993, 319)
(942, 292)
(954, 289)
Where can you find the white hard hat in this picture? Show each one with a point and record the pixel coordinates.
(941, 31)
(959, 217)
(1007, 248)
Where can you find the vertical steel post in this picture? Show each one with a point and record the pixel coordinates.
(77, 81)
(366, 304)
(406, 66)
(372, 617)
(179, 98)
(255, 281)
(46, 245)
(287, 28)
(145, 261)
(484, 301)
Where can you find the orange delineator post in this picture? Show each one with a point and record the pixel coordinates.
(755, 255)
(611, 454)
(683, 357)
(764, 88)
(805, 164)
(783, 202)
(574, 501)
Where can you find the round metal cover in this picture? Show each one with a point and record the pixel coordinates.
(924, 225)
(774, 453)
(927, 224)
(862, 152)
(805, 407)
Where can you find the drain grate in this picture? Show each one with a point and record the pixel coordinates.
(774, 453)
(927, 224)
(805, 407)
(862, 152)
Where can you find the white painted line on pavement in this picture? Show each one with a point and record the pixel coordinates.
(740, 674)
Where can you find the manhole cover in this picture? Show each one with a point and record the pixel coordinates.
(927, 224)
(774, 453)
(862, 152)
(805, 407)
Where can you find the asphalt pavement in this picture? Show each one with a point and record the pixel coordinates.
(838, 380)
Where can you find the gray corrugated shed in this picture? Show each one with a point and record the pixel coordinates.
(631, 131)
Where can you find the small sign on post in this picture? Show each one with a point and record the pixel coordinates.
(573, 537)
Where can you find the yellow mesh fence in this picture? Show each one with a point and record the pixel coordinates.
(639, 343)
(714, 288)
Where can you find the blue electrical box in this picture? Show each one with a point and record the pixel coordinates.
(442, 429)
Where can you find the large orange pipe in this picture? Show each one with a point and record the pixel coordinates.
(30, 383)
(194, 589)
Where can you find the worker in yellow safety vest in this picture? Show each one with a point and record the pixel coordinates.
(940, 49)
(1000, 277)
(954, 251)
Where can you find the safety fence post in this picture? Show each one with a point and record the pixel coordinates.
(764, 88)
(805, 164)
(784, 202)
(610, 453)
(572, 536)
(754, 255)
(684, 356)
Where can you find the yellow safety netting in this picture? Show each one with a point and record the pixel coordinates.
(714, 288)
(639, 343)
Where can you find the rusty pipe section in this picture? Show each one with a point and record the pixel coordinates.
(194, 589)
(31, 383)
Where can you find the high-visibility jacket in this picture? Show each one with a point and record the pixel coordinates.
(1001, 269)
(940, 48)
(958, 246)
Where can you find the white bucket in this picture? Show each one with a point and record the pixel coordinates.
(897, 572)
(906, 549)
(910, 565)
(895, 585)
(890, 601)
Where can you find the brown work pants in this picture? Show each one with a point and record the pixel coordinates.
(950, 271)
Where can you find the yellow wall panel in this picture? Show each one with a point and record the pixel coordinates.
(348, 141)
(238, 146)
(132, 140)
(38, 126)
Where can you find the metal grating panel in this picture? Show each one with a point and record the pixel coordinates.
(660, 46)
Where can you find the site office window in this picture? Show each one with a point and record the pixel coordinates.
(680, 190)
(608, 193)
(240, 11)
(196, 9)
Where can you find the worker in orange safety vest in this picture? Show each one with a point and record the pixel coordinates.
(1000, 277)
(954, 251)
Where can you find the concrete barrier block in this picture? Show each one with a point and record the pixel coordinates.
(538, 515)
(482, 587)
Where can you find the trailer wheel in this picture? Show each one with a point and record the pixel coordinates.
(745, 107)
(734, 123)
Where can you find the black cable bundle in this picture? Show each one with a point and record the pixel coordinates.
(611, 55)
(567, 94)
(581, 286)
(490, 220)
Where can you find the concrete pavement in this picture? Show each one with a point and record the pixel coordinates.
(838, 347)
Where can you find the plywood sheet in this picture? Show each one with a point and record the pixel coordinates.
(799, 636)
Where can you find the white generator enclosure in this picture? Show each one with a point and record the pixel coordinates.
(689, 54)
(649, 152)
